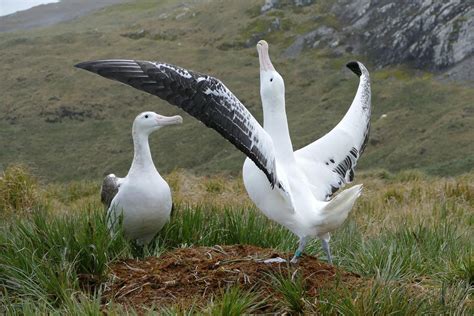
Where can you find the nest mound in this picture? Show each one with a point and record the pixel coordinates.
(194, 275)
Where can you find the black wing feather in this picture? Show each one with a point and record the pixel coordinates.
(109, 189)
(203, 97)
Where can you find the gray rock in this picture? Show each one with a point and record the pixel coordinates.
(299, 44)
(462, 72)
(274, 4)
(275, 25)
(269, 4)
(427, 34)
(318, 38)
(302, 3)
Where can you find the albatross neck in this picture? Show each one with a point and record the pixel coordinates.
(142, 161)
(275, 123)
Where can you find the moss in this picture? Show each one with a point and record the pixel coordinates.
(276, 13)
(258, 25)
(253, 11)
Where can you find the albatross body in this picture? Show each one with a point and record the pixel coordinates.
(314, 172)
(292, 188)
(143, 197)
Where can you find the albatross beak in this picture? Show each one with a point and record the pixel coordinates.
(169, 120)
(263, 57)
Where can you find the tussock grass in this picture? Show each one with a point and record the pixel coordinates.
(416, 248)
(380, 299)
(292, 289)
(18, 190)
(49, 258)
(201, 225)
(234, 302)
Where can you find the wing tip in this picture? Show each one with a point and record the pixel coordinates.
(354, 67)
(96, 65)
(87, 65)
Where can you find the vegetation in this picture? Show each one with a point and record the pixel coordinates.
(409, 236)
(18, 190)
(70, 125)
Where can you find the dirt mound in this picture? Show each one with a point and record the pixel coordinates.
(192, 275)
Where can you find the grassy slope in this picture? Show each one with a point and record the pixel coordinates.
(428, 124)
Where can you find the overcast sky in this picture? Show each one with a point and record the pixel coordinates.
(10, 6)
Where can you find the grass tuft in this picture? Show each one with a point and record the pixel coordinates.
(292, 288)
(380, 299)
(18, 190)
(48, 258)
(235, 302)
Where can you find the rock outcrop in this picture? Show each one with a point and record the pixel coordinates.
(426, 34)
(271, 4)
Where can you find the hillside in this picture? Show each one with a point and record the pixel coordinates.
(69, 124)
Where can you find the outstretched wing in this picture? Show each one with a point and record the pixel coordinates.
(109, 189)
(204, 97)
(329, 162)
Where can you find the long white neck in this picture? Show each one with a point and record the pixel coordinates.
(142, 161)
(275, 124)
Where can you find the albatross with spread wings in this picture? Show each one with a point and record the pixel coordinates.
(292, 188)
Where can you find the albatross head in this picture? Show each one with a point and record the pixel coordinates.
(272, 86)
(148, 122)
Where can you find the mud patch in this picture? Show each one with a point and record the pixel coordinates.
(194, 275)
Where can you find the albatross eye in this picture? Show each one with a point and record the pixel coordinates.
(146, 116)
(271, 79)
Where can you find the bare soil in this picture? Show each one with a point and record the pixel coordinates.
(194, 275)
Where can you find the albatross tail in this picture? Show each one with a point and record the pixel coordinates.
(337, 210)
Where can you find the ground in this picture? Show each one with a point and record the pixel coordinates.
(189, 275)
(405, 249)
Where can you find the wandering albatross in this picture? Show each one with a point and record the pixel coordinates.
(294, 189)
(143, 197)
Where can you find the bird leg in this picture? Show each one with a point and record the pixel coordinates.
(300, 249)
(327, 250)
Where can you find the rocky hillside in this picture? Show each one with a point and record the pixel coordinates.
(69, 124)
(429, 35)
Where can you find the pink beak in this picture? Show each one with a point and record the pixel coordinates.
(169, 120)
(264, 58)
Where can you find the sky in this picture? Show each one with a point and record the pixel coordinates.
(11, 6)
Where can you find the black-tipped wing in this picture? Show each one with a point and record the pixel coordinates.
(109, 189)
(204, 97)
(330, 161)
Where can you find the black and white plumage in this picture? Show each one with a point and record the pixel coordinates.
(202, 96)
(305, 179)
(109, 189)
(330, 161)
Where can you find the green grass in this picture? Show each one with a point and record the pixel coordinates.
(18, 190)
(292, 289)
(414, 251)
(235, 302)
(428, 124)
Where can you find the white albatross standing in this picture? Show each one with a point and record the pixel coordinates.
(291, 188)
(314, 172)
(143, 197)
